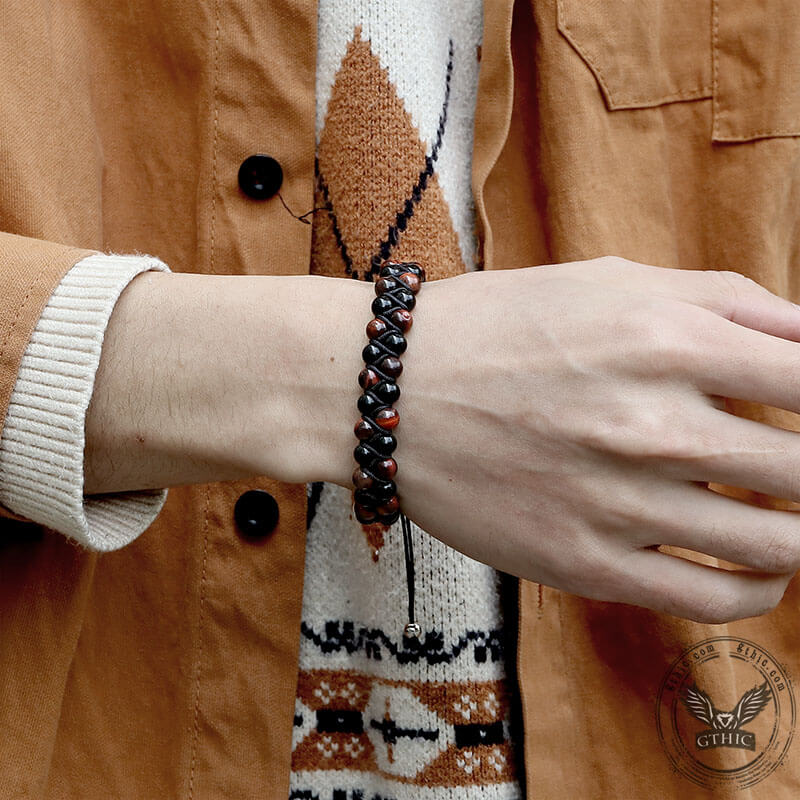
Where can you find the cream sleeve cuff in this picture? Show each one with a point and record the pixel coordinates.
(42, 442)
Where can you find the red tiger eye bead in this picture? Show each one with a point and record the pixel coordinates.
(361, 480)
(387, 418)
(402, 318)
(367, 378)
(376, 327)
(385, 469)
(392, 366)
(389, 507)
(363, 430)
(410, 280)
(364, 515)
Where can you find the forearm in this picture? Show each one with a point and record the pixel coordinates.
(210, 377)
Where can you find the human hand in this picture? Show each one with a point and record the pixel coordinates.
(561, 422)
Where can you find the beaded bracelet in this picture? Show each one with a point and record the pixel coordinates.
(375, 501)
(375, 495)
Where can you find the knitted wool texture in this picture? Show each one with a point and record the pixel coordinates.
(42, 443)
(377, 715)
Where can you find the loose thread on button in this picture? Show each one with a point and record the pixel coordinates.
(412, 628)
(301, 217)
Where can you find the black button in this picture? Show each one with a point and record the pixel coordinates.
(256, 514)
(260, 177)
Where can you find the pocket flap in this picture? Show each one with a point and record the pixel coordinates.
(756, 63)
(642, 52)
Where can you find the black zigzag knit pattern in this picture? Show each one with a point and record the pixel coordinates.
(345, 636)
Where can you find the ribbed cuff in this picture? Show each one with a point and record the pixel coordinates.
(43, 438)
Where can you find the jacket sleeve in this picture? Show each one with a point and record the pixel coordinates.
(55, 303)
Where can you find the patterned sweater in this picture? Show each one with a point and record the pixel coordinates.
(379, 715)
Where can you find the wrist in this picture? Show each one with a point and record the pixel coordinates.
(314, 345)
(209, 378)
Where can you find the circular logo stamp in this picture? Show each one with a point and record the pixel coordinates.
(726, 713)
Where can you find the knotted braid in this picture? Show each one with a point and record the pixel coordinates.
(375, 494)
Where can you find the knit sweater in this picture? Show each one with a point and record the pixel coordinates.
(377, 715)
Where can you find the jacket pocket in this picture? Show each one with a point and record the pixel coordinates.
(744, 55)
(643, 53)
(756, 69)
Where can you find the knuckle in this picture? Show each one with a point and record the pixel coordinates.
(734, 281)
(669, 339)
(733, 286)
(672, 444)
(613, 262)
(659, 435)
(676, 345)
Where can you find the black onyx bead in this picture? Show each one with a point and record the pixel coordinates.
(393, 269)
(384, 491)
(383, 304)
(396, 342)
(406, 298)
(365, 497)
(367, 404)
(387, 391)
(390, 271)
(412, 266)
(389, 519)
(385, 285)
(371, 353)
(384, 444)
(363, 455)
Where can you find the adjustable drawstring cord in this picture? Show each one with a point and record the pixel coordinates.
(412, 629)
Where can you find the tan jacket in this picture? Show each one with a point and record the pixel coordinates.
(665, 131)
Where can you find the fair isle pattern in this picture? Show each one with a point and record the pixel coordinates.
(379, 716)
(418, 733)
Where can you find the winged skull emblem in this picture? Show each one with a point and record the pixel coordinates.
(751, 704)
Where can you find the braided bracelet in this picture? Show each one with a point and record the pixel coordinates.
(375, 501)
(375, 495)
